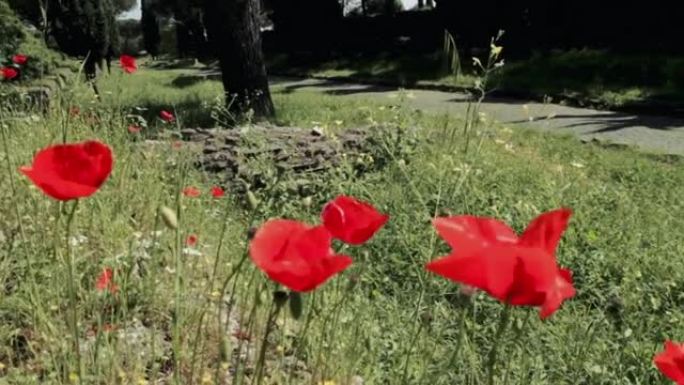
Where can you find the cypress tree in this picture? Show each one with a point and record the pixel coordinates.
(85, 28)
(150, 29)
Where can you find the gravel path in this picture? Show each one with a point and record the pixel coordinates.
(657, 134)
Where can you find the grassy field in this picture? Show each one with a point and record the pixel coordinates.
(587, 77)
(385, 320)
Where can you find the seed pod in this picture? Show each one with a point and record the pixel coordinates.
(169, 217)
(280, 297)
(252, 200)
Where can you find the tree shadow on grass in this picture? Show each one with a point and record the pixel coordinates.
(402, 69)
(330, 87)
(610, 122)
(183, 81)
(162, 64)
(190, 113)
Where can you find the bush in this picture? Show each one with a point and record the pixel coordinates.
(16, 38)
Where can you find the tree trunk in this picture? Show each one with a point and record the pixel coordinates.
(389, 7)
(235, 34)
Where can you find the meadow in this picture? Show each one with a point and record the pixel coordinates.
(112, 290)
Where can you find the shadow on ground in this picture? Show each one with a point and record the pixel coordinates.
(611, 122)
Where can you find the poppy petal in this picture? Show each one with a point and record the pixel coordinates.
(271, 239)
(70, 171)
(666, 361)
(546, 230)
(491, 269)
(467, 234)
(351, 220)
(561, 290)
(296, 255)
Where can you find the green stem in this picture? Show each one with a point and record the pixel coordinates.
(501, 329)
(409, 352)
(459, 340)
(273, 313)
(72, 289)
(178, 284)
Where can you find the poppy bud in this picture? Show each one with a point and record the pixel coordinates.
(169, 217)
(296, 304)
(280, 297)
(252, 200)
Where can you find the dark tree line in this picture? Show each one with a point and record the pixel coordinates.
(229, 30)
(543, 25)
(85, 28)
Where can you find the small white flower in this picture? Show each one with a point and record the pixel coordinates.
(509, 147)
(189, 251)
(77, 240)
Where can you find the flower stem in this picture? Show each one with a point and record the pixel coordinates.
(501, 329)
(273, 314)
(71, 289)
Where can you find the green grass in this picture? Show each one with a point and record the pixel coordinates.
(589, 77)
(385, 319)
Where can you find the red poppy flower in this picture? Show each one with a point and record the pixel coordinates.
(177, 144)
(242, 335)
(9, 73)
(128, 64)
(488, 255)
(106, 281)
(296, 255)
(671, 362)
(19, 59)
(167, 116)
(70, 171)
(191, 240)
(74, 111)
(108, 328)
(191, 192)
(217, 192)
(133, 129)
(352, 221)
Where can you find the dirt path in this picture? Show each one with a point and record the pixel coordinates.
(657, 134)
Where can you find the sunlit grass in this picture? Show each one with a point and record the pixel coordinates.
(396, 323)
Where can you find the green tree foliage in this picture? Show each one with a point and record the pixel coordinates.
(11, 31)
(16, 38)
(121, 6)
(376, 7)
(32, 10)
(85, 28)
(150, 28)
